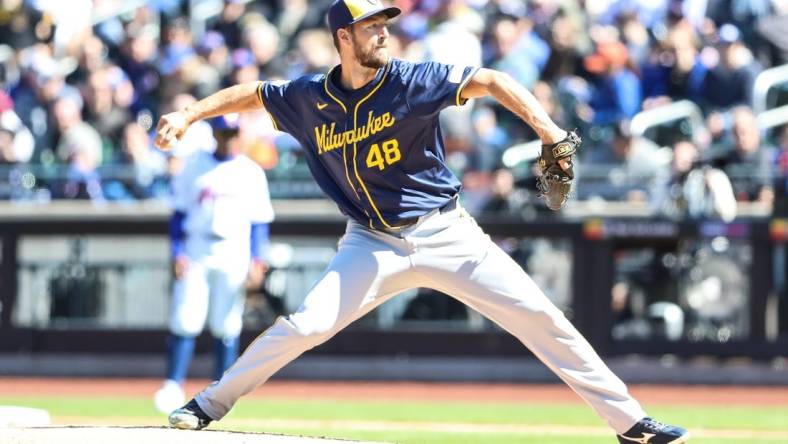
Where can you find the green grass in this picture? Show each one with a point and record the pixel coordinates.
(412, 416)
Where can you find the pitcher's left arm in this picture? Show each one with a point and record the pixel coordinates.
(558, 145)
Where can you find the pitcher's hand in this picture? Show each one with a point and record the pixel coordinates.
(171, 128)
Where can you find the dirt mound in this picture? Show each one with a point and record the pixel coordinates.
(147, 435)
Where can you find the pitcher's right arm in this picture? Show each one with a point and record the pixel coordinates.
(235, 99)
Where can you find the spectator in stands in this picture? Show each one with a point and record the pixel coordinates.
(137, 59)
(42, 82)
(635, 36)
(76, 136)
(244, 68)
(92, 57)
(650, 13)
(229, 23)
(730, 82)
(182, 70)
(147, 168)
(565, 56)
(72, 24)
(16, 142)
(79, 147)
(693, 190)
(511, 53)
(674, 68)
(490, 139)
(215, 52)
(101, 110)
(22, 26)
(616, 89)
(743, 14)
(630, 167)
(748, 161)
(716, 123)
(508, 51)
(504, 197)
(772, 46)
(300, 15)
(262, 39)
(317, 51)
(455, 39)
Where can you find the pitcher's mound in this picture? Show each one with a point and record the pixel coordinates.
(148, 435)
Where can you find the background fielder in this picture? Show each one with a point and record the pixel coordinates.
(370, 132)
(218, 233)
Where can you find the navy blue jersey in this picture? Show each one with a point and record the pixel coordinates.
(376, 151)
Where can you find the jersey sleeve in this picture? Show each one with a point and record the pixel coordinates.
(280, 100)
(434, 86)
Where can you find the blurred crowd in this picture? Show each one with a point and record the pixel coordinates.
(84, 81)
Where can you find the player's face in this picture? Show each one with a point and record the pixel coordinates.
(370, 42)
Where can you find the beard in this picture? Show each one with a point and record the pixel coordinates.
(369, 59)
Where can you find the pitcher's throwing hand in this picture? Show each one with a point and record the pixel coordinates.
(171, 128)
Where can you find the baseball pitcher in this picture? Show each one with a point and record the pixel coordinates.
(369, 128)
(217, 232)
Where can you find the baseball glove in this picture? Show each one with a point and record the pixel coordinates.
(555, 163)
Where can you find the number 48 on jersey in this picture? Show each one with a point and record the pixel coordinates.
(383, 155)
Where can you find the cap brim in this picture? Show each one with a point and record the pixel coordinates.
(390, 12)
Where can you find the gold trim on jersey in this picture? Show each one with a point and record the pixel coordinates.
(262, 102)
(325, 86)
(344, 158)
(355, 151)
(463, 84)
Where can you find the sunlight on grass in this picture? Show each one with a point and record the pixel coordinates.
(421, 422)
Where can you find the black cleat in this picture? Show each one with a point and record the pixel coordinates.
(189, 417)
(649, 431)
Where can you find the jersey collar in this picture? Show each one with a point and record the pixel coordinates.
(347, 97)
(223, 158)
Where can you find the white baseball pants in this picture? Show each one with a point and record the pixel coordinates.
(212, 289)
(447, 252)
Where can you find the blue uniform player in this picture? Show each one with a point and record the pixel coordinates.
(370, 131)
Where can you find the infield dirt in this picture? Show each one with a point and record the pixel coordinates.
(148, 435)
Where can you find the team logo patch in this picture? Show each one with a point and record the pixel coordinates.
(643, 439)
(328, 139)
(563, 149)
